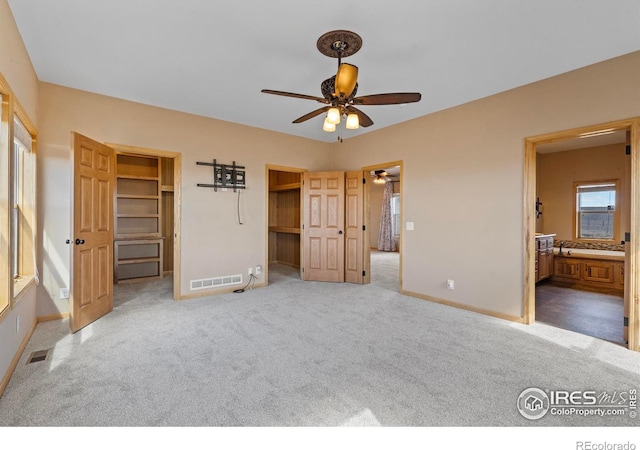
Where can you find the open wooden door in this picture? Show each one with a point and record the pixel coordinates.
(323, 226)
(91, 295)
(354, 271)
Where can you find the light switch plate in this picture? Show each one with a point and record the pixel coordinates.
(409, 226)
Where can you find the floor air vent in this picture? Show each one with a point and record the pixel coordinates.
(38, 356)
(207, 283)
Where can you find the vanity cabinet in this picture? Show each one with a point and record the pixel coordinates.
(598, 274)
(544, 257)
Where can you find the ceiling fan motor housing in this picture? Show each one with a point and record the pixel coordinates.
(328, 88)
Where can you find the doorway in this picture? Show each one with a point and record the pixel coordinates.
(284, 250)
(160, 211)
(284, 222)
(383, 254)
(582, 270)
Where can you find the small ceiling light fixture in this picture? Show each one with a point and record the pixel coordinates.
(333, 116)
(352, 121)
(381, 177)
(328, 126)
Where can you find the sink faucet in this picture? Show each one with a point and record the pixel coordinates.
(561, 244)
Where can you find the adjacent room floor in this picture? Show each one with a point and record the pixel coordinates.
(385, 270)
(590, 313)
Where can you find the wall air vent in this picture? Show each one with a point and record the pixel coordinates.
(208, 283)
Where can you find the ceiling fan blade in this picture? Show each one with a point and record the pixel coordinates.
(388, 99)
(365, 121)
(312, 114)
(291, 94)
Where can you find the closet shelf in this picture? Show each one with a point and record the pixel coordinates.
(285, 187)
(138, 260)
(138, 196)
(289, 230)
(136, 177)
(140, 216)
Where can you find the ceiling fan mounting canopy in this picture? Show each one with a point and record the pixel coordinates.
(339, 43)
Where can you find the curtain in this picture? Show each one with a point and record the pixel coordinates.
(386, 239)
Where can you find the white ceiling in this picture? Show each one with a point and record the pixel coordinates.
(616, 137)
(212, 58)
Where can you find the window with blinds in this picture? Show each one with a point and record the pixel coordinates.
(23, 200)
(596, 211)
(4, 206)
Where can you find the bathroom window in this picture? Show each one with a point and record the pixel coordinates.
(596, 210)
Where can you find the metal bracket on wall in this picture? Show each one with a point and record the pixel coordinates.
(225, 176)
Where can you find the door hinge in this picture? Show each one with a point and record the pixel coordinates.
(626, 322)
(303, 226)
(627, 237)
(364, 228)
(627, 150)
(364, 181)
(364, 273)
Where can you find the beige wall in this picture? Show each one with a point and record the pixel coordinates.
(16, 68)
(213, 243)
(463, 178)
(557, 173)
(15, 64)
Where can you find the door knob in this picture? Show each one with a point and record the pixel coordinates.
(79, 241)
(67, 241)
(340, 232)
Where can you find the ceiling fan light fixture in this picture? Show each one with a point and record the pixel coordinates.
(380, 177)
(333, 116)
(328, 126)
(353, 123)
(379, 180)
(346, 80)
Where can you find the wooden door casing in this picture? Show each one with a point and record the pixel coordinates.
(91, 294)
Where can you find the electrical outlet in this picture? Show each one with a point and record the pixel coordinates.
(450, 284)
(250, 270)
(64, 293)
(17, 324)
(258, 270)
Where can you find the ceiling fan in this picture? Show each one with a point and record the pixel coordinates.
(339, 91)
(380, 177)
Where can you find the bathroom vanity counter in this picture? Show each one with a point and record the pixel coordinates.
(590, 254)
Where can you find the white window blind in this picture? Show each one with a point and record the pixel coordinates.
(21, 134)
